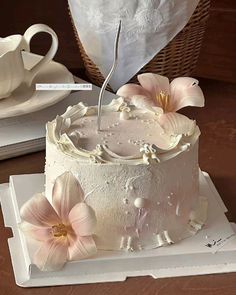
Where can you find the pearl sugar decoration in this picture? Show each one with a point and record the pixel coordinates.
(140, 203)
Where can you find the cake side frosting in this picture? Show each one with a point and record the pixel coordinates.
(113, 190)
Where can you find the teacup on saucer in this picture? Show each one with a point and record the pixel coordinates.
(26, 99)
(12, 69)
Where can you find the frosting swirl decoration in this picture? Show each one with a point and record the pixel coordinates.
(74, 134)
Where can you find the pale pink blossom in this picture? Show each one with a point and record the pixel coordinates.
(157, 94)
(64, 228)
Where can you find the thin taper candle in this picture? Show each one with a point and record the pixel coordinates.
(104, 85)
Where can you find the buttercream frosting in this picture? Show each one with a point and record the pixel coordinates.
(75, 134)
(144, 195)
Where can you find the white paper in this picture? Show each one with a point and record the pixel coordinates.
(147, 27)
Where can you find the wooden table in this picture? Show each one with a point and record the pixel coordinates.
(217, 153)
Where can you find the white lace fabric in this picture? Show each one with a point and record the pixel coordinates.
(147, 27)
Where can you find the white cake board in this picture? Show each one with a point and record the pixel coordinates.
(188, 257)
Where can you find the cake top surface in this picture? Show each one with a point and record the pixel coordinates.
(128, 134)
(139, 126)
(123, 137)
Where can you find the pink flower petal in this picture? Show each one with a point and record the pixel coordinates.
(36, 232)
(143, 102)
(176, 124)
(185, 92)
(52, 255)
(154, 84)
(82, 219)
(39, 211)
(129, 90)
(81, 247)
(165, 141)
(67, 192)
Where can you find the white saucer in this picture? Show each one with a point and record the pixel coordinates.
(26, 100)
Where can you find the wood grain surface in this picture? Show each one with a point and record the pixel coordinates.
(217, 145)
(217, 153)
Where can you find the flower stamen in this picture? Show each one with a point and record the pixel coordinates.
(163, 100)
(59, 230)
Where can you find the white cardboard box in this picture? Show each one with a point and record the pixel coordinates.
(192, 256)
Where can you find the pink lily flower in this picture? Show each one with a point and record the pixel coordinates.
(157, 94)
(64, 228)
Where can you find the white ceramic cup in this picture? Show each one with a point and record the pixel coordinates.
(12, 70)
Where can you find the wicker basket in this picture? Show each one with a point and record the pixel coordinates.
(178, 58)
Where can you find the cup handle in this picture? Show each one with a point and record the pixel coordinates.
(29, 33)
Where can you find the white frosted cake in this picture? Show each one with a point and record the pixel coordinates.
(128, 182)
(141, 181)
